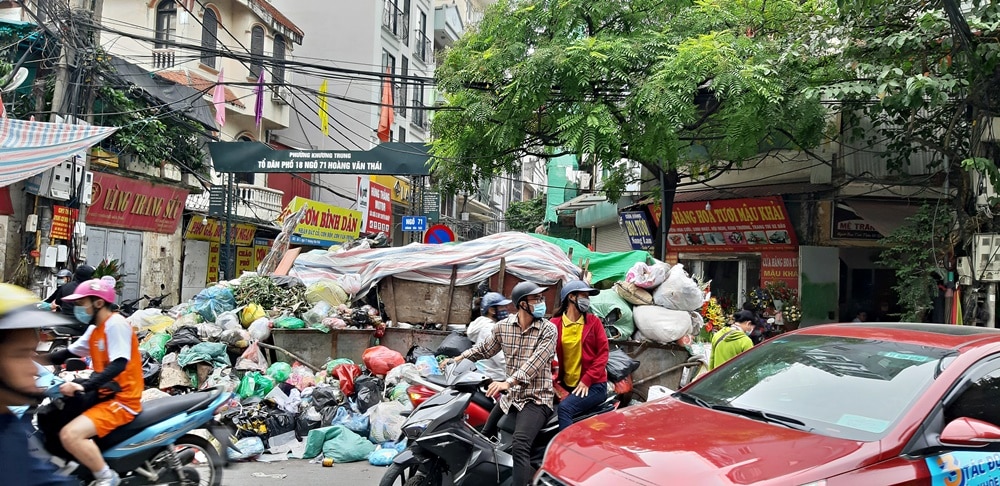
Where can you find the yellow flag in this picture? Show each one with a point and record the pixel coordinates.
(324, 119)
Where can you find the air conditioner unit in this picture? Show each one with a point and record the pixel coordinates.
(984, 189)
(281, 95)
(986, 257)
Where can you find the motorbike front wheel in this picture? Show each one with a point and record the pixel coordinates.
(401, 475)
(206, 462)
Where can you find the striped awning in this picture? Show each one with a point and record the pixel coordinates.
(30, 147)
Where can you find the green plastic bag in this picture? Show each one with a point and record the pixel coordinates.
(254, 384)
(336, 362)
(609, 301)
(347, 446)
(280, 372)
(156, 345)
(289, 322)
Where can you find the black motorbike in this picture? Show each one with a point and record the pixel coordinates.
(445, 450)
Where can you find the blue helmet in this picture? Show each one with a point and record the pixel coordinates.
(576, 286)
(492, 299)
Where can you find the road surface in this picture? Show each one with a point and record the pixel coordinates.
(299, 472)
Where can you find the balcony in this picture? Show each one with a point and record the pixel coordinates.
(419, 116)
(422, 48)
(163, 58)
(399, 98)
(257, 202)
(396, 21)
(448, 26)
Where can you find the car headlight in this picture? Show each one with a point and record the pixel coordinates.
(414, 429)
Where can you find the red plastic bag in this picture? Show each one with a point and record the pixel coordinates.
(346, 373)
(380, 359)
(624, 386)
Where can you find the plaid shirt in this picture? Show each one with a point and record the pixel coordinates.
(529, 360)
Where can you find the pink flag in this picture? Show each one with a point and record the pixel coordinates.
(258, 112)
(3, 109)
(219, 100)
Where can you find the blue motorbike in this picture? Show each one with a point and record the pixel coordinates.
(163, 445)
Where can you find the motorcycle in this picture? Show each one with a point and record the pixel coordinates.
(160, 446)
(445, 449)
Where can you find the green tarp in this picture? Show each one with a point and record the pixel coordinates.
(603, 266)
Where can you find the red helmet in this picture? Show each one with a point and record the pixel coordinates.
(100, 288)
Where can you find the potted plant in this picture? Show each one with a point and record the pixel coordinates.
(111, 268)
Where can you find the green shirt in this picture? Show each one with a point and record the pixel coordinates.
(727, 344)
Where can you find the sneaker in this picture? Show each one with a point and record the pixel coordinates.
(112, 480)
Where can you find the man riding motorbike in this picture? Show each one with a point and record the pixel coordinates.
(58, 297)
(494, 308)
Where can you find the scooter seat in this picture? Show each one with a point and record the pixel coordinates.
(155, 411)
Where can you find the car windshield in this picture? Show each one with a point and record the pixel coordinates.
(842, 387)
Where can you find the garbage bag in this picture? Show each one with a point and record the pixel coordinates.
(156, 345)
(324, 395)
(647, 276)
(615, 312)
(186, 320)
(289, 322)
(380, 359)
(428, 366)
(662, 325)
(248, 447)
(301, 377)
(211, 302)
(153, 320)
(347, 446)
(454, 344)
(252, 359)
(633, 294)
(185, 336)
(679, 292)
(329, 414)
(260, 329)
(620, 365)
(326, 290)
(317, 313)
(279, 371)
(213, 353)
(398, 392)
(254, 384)
(382, 456)
(354, 421)
(369, 392)
(220, 377)
(171, 374)
(346, 374)
(304, 423)
(399, 374)
(150, 369)
(251, 313)
(351, 283)
(386, 421)
(208, 331)
(333, 363)
(228, 320)
(236, 338)
(416, 352)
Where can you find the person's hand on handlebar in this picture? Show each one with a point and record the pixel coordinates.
(70, 388)
(447, 361)
(496, 388)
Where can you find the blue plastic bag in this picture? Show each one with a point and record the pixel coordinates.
(354, 421)
(382, 456)
(211, 302)
(428, 365)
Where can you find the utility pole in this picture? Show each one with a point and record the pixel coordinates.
(88, 69)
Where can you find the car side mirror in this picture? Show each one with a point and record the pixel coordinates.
(75, 364)
(969, 432)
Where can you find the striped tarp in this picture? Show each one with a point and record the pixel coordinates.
(527, 258)
(30, 147)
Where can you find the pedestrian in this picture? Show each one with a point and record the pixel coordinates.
(57, 299)
(732, 340)
(528, 341)
(582, 351)
(20, 458)
(861, 317)
(493, 308)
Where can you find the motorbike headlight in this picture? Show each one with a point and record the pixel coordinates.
(415, 429)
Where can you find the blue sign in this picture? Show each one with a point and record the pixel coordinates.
(637, 227)
(965, 468)
(414, 223)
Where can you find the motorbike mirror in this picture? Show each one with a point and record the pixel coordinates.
(75, 364)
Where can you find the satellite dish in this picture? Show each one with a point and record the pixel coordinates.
(17, 80)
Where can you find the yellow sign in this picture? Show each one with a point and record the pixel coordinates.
(244, 260)
(323, 224)
(211, 230)
(399, 189)
(212, 275)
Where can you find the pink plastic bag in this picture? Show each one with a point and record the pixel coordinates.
(252, 359)
(380, 359)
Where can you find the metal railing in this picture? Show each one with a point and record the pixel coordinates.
(397, 22)
(419, 116)
(399, 99)
(423, 49)
(163, 58)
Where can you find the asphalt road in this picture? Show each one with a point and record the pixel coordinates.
(298, 472)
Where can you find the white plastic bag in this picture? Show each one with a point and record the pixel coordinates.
(400, 374)
(386, 421)
(678, 291)
(661, 325)
(351, 283)
(260, 329)
(657, 391)
(228, 320)
(645, 276)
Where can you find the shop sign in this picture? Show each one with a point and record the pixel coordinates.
(780, 266)
(63, 221)
(259, 253)
(211, 230)
(212, 275)
(375, 204)
(119, 202)
(323, 224)
(731, 225)
(637, 227)
(399, 189)
(244, 260)
(394, 158)
(849, 225)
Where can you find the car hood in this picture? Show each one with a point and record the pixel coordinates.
(672, 442)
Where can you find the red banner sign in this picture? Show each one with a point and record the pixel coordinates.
(379, 209)
(731, 225)
(780, 266)
(119, 202)
(63, 221)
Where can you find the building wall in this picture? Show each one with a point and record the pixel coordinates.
(161, 263)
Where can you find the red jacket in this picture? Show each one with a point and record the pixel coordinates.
(594, 355)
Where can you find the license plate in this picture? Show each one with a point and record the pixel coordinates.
(44, 346)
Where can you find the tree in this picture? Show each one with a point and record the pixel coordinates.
(686, 89)
(525, 215)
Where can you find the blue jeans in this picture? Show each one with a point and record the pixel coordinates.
(572, 405)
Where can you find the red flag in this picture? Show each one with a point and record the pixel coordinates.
(385, 117)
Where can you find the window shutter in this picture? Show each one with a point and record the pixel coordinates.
(279, 56)
(209, 38)
(256, 50)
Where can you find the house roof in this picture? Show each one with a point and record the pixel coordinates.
(187, 78)
(281, 19)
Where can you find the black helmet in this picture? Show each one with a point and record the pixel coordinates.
(83, 273)
(64, 273)
(523, 290)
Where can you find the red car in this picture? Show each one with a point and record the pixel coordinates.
(841, 404)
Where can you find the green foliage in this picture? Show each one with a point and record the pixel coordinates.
(111, 268)
(912, 251)
(644, 80)
(525, 215)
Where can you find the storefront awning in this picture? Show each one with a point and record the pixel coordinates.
(582, 201)
(884, 216)
(30, 147)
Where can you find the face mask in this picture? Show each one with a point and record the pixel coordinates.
(538, 310)
(80, 313)
(583, 304)
(501, 314)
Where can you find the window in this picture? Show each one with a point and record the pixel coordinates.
(256, 51)
(166, 23)
(209, 37)
(402, 135)
(419, 116)
(404, 29)
(422, 49)
(278, 71)
(978, 400)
